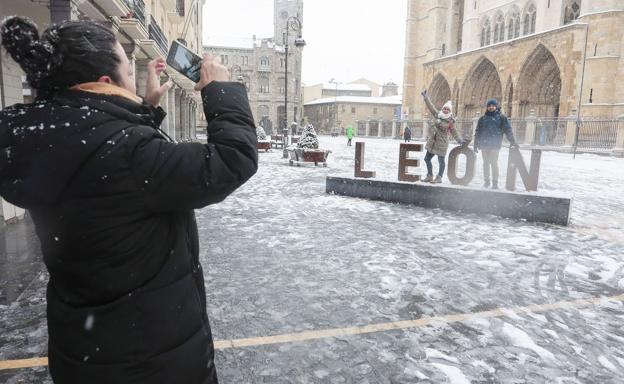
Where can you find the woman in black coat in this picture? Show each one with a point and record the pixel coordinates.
(112, 199)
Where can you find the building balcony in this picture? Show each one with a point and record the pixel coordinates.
(137, 10)
(156, 34)
(117, 8)
(175, 11)
(134, 22)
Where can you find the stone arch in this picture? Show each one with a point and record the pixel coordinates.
(264, 119)
(508, 97)
(539, 84)
(439, 90)
(482, 83)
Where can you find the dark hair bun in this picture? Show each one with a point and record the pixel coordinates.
(20, 38)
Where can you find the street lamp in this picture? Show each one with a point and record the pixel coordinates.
(333, 81)
(293, 23)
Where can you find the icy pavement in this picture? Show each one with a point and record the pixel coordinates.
(282, 257)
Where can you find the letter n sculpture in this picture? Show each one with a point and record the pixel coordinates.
(529, 177)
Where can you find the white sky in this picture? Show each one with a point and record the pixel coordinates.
(346, 39)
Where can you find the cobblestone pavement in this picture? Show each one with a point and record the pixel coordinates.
(282, 257)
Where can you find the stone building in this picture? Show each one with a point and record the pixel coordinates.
(542, 57)
(366, 114)
(145, 29)
(261, 66)
(324, 90)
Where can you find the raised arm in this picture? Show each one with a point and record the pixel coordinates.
(193, 175)
(432, 109)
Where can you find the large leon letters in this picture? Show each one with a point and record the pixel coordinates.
(515, 165)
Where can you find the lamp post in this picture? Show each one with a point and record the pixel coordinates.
(293, 23)
(333, 81)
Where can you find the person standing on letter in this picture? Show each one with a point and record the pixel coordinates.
(489, 138)
(437, 139)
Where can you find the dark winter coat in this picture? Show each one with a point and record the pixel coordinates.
(112, 201)
(407, 134)
(438, 135)
(490, 130)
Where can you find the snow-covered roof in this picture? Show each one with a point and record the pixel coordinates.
(390, 100)
(347, 87)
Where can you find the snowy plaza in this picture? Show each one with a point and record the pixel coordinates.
(308, 287)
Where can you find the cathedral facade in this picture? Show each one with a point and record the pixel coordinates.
(548, 58)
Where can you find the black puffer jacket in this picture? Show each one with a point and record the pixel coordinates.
(112, 201)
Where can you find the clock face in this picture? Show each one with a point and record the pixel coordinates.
(284, 15)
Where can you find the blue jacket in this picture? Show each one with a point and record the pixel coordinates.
(490, 130)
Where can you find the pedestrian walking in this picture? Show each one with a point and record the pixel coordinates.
(407, 134)
(113, 199)
(349, 135)
(489, 138)
(438, 137)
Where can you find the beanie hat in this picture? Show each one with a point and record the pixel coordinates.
(443, 115)
(492, 102)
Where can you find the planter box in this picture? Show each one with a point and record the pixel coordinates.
(264, 144)
(301, 155)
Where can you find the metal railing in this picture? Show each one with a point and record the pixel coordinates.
(597, 134)
(156, 34)
(550, 131)
(137, 10)
(594, 134)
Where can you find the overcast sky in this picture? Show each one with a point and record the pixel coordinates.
(346, 39)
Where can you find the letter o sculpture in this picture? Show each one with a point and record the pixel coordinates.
(471, 158)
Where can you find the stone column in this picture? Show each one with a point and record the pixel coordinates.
(164, 104)
(178, 114)
(184, 115)
(529, 133)
(571, 129)
(379, 128)
(395, 123)
(171, 113)
(619, 141)
(367, 132)
(140, 75)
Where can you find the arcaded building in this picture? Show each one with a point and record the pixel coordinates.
(543, 57)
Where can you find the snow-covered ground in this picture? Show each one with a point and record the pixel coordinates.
(281, 256)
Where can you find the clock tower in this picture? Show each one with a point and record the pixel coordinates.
(283, 9)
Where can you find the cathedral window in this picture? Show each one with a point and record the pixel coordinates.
(499, 29)
(572, 12)
(486, 31)
(513, 25)
(529, 20)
